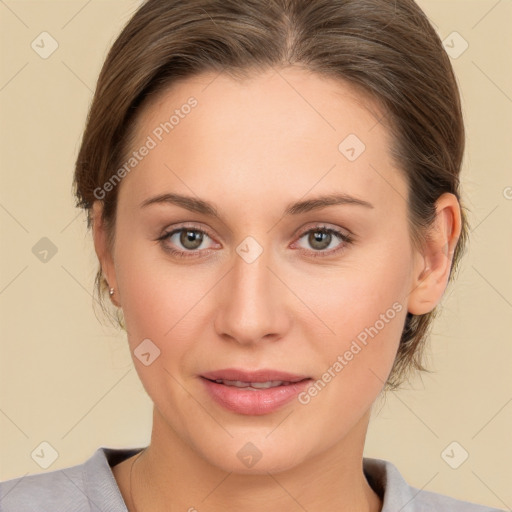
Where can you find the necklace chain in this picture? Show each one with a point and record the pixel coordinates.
(131, 471)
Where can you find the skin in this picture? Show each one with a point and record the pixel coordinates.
(252, 147)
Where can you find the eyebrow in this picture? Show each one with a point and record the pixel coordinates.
(194, 204)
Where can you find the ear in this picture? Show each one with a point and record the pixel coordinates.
(102, 249)
(434, 258)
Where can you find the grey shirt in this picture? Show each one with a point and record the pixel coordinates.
(91, 487)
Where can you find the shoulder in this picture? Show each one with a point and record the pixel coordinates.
(397, 494)
(43, 491)
(80, 488)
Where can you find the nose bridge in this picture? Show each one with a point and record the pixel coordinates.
(251, 307)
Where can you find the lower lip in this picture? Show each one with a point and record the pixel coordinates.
(254, 401)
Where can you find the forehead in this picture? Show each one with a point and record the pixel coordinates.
(286, 128)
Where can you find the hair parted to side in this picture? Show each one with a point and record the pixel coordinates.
(386, 49)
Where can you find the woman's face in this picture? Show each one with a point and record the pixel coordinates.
(263, 284)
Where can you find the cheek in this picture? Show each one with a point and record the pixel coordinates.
(364, 307)
(161, 303)
(162, 300)
(151, 292)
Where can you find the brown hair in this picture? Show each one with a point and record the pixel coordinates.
(387, 49)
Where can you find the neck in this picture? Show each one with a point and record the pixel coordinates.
(170, 475)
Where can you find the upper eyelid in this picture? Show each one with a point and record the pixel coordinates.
(327, 226)
(302, 230)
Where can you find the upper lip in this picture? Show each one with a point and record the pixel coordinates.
(263, 375)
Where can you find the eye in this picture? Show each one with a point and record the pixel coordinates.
(325, 241)
(190, 238)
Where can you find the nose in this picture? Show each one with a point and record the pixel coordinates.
(252, 303)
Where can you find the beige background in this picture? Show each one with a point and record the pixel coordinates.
(69, 381)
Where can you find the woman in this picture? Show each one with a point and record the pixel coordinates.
(273, 191)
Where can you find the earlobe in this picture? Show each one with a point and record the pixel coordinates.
(434, 261)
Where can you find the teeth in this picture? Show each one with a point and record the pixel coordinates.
(270, 384)
(256, 385)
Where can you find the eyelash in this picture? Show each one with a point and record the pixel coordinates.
(343, 237)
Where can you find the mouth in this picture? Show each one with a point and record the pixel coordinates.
(253, 392)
